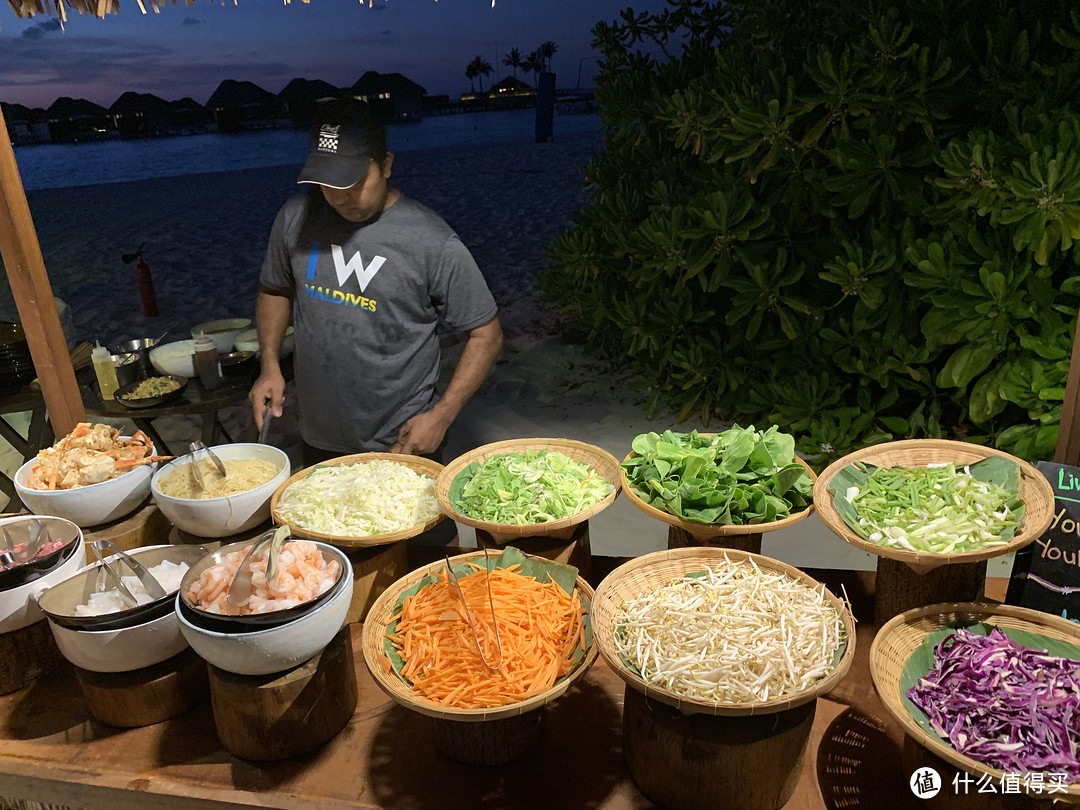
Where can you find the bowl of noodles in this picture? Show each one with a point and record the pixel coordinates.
(226, 506)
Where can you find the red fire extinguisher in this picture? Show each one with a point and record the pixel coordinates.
(145, 282)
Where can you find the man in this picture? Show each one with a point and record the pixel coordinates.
(368, 274)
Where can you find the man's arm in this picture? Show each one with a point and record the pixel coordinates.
(425, 431)
(272, 313)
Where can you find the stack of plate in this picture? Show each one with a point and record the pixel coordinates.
(16, 366)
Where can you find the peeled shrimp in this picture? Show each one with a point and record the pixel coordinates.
(302, 574)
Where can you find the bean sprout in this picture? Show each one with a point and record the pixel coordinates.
(734, 634)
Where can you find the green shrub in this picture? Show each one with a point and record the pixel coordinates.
(852, 219)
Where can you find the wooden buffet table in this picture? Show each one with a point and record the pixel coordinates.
(51, 751)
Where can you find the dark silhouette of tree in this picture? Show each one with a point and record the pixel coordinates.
(534, 63)
(482, 68)
(546, 51)
(514, 61)
(470, 74)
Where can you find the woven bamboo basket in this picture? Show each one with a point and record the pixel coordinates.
(432, 469)
(648, 572)
(898, 639)
(1035, 492)
(602, 462)
(385, 608)
(704, 531)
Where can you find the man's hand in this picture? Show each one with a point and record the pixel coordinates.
(421, 434)
(270, 387)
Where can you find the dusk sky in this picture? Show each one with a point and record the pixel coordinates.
(189, 50)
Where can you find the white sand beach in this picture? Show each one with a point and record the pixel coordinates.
(205, 235)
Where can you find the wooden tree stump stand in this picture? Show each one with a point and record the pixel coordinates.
(374, 569)
(713, 762)
(270, 717)
(569, 546)
(489, 742)
(146, 696)
(144, 527)
(26, 655)
(678, 537)
(899, 588)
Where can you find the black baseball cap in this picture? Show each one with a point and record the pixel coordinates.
(343, 141)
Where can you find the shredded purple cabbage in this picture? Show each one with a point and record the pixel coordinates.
(1005, 705)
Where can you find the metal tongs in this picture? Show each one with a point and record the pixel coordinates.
(7, 556)
(33, 543)
(194, 447)
(105, 570)
(240, 589)
(451, 577)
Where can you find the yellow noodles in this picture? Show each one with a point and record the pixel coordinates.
(240, 476)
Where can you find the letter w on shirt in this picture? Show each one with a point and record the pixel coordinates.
(344, 269)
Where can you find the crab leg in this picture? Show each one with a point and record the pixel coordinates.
(135, 462)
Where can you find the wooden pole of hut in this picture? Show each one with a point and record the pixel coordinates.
(1068, 442)
(21, 252)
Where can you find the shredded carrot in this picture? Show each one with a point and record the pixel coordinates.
(539, 624)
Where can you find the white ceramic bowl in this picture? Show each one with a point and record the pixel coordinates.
(176, 358)
(91, 505)
(232, 514)
(249, 342)
(121, 650)
(223, 332)
(274, 649)
(18, 606)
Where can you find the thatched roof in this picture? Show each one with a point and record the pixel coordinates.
(71, 108)
(233, 94)
(373, 82)
(18, 112)
(131, 102)
(307, 91)
(99, 8)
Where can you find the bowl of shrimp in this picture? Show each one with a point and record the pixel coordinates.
(90, 477)
(287, 617)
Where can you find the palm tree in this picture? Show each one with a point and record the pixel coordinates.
(470, 74)
(514, 60)
(534, 63)
(482, 68)
(546, 51)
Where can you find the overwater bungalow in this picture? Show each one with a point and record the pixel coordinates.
(299, 97)
(398, 97)
(140, 115)
(237, 105)
(75, 119)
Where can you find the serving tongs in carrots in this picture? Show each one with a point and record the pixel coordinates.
(451, 577)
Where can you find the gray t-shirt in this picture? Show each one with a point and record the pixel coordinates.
(367, 303)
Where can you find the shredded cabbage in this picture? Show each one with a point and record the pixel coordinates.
(1003, 704)
(359, 500)
(534, 486)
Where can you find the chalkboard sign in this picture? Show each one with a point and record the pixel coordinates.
(1046, 573)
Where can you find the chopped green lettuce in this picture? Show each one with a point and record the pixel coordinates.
(534, 486)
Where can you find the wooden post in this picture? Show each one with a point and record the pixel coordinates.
(1068, 443)
(30, 287)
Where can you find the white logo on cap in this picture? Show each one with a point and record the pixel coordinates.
(328, 138)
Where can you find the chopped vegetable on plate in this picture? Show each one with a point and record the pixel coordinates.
(999, 702)
(740, 476)
(360, 500)
(732, 634)
(533, 486)
(939, 509)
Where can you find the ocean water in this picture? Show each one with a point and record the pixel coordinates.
(84, 164)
